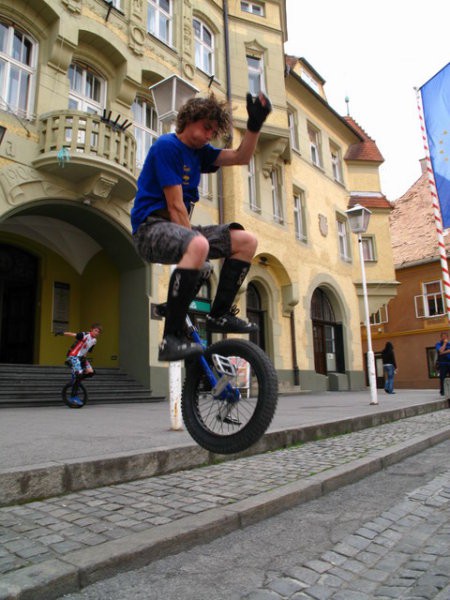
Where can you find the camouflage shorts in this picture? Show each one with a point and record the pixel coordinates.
(160, 241)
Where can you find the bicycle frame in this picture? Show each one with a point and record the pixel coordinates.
(221, 389)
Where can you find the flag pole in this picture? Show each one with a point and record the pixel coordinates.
(436, 208)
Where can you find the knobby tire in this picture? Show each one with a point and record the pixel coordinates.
(248, 418)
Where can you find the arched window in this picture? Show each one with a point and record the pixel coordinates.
(321, 309)
(204, 47)
(87, 89)
(146, 129)
(18, 57)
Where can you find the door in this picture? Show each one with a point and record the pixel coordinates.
(18, 284)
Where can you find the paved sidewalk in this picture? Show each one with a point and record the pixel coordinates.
(55, 546)
(49, 451)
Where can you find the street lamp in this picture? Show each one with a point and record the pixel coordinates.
(168, 96)
(358, 218)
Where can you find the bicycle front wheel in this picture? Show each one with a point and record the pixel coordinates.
(231, 420)
(74, 395)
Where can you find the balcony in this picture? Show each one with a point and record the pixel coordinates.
(97, 156)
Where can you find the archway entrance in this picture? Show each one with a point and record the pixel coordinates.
(255, 314)
(327, 335)
(18, 284)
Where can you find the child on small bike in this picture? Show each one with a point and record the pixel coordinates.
(77, 353)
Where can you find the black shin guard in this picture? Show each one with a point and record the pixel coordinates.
(231, 278)
(182, 290)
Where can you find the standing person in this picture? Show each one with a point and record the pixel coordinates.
(77, 353)
(162, 232)
(443, 359)
(389, 367)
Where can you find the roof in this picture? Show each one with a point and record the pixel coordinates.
(413, 229)
(367, 149)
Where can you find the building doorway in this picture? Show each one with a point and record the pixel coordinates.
(18, 286)
(255, 314)
(327, 336)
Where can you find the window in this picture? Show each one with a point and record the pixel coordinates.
(255, 75)
(87, 90)
(252, 196)
(379, 317)
(116, 3)
(431, 302)
(204, 47)
(146, 128)
(315, 146)
(299, 216)
(343, 237)
(277, 196)
(368, 248)
(293, 129)
(18, 55)
(159, 19)
(336, 163)
(253, 7)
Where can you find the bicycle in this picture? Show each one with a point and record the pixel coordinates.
(230, 393)
(74, 394)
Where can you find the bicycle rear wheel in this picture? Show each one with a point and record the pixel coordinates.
(74, 395)
(233, 424)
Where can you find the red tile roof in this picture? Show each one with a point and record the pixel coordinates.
(413, 229)
(367, 149)
(370, 201)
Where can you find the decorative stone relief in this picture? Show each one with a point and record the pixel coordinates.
(73, 5)
(99, 186)
(323, 225)
(137, 8)
(136, 39)
(188, 32)
(270, 153)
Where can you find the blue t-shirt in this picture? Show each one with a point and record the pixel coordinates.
(443, 358)
(170, 162)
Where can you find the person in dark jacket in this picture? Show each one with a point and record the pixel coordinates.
(389, 367)
(443, 359)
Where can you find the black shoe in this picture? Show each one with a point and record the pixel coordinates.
(229, 323)
(174, 348)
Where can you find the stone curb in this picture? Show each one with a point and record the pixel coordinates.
(52, 579)
(52, 479)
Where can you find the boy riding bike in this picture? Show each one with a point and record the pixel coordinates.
(77, 353)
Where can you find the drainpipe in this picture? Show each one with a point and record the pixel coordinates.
(295, 368)
(228, 93)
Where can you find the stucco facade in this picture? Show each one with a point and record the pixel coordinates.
(77, 78)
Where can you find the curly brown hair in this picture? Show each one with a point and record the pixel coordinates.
(209, 108)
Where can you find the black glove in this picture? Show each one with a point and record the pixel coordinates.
(257, 111)
(59, 332)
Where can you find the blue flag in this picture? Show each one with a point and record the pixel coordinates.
(436, 111)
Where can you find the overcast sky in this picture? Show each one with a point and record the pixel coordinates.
(376, 54)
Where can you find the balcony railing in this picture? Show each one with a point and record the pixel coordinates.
(78, 145)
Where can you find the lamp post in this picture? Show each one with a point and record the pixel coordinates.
(168, 96)
(359, 217)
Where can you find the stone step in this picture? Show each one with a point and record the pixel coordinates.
(36, 385)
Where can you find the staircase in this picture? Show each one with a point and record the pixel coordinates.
(36, 385)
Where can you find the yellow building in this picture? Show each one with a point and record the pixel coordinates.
(78, 118)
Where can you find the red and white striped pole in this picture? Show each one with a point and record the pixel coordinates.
(436, 208)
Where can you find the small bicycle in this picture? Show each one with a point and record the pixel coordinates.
(74, 394)
(230, 393)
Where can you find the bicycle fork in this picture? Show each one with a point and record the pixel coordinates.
(221, 388)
